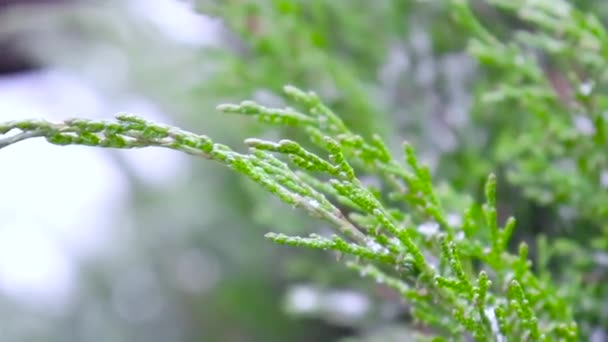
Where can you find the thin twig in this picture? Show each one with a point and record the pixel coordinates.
(19, 137)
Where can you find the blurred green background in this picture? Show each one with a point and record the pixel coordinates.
(184, 258)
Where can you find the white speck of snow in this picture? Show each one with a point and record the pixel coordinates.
(604, 179)
(494, 324)
(584, 125)
(459, 236)
(314, 204)
(375, 246)
(429, 228)
(347, 304)
(395, 241)
(586, 88)
(454, 219)
(303, 299)
(601, 258)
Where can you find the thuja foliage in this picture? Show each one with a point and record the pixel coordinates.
(540, 99)
(544, 97)
(459, 277)
(560, 117)
(538, 118)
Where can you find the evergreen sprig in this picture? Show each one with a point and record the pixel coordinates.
(499, 298)
(547, 97)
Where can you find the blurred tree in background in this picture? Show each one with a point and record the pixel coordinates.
(192, 264)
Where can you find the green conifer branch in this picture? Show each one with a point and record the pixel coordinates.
(450, 296)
